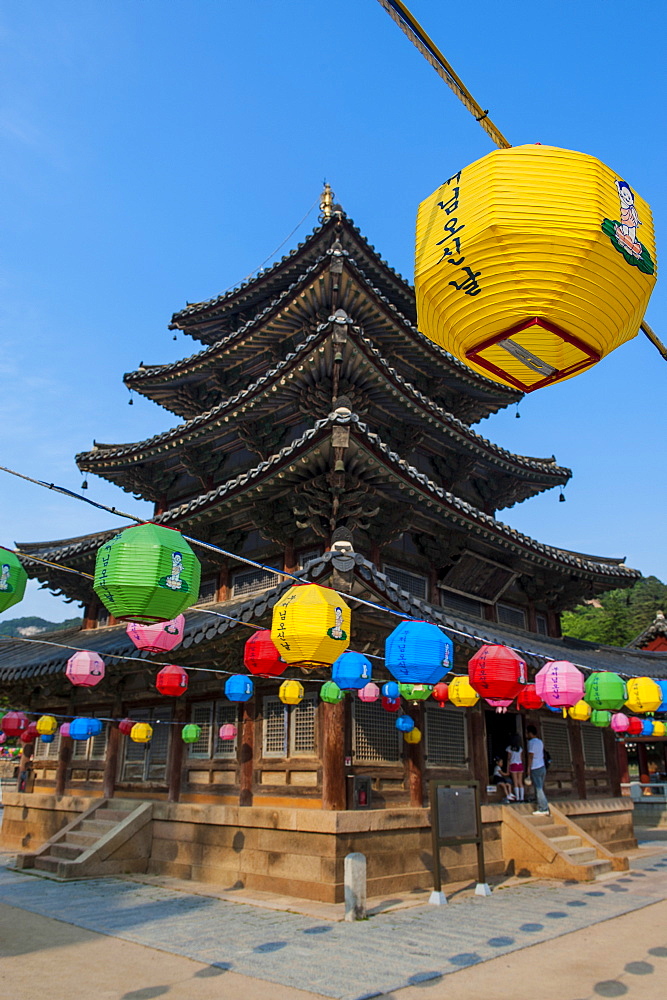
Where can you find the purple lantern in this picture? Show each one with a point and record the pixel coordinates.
(85, 669)
(64, 729)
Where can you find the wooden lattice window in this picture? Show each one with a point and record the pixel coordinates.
(445, 737)
(593, 743)
(510, 614)
(302, 724)
(47, 751)
(274, 731)
(148, 761)
(92, 749)
(375, 738)
(415, 583)
(224, 714)
(556, 739)
(252, 581)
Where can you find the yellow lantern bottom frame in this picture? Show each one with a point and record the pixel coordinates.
(579, 355)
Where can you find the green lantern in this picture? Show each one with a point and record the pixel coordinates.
(147, 573)
(331, 693)
(415, 692)
(13, 579)
(600, 719)
(190, 733)
(605, 691)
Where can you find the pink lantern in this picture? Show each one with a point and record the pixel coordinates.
(85, 669)
(500, 704)
(560, 684)
(2, 737)
(228, 731)
(161, 637)
(64, 729)
(620, 723)
(371, 692)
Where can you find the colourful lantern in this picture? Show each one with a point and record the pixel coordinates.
(600, 718)
(141, 732)
(13, 579)
(227, 731)
(634, 726)
(390, 690)
(291, 692)
(560, 684)
(311, 626)
(663, 688)
(80, 728)
(391, 704)
(497, 672)
(161, 637)
(620, 722)
(644, 695)
(404, 723)
(605, 691)
(529, 266)
(64, 731)
(239, 688)
(30, 734)
(3, 738)
(647, 727)
(351, 671)
(500, 704)
(659, 728)
(261, 657)
(46, 725)
(126, 726)
(528, 699)
(441, 693)
(46, 737)
(415, 692)
(581, 712)
(414, 736)
(85, 669)
(462, 693)
(370, 692)
(418, 653)
(172, 681)
(190, 733)
(146, 574)
(14, 723)
(331, 693)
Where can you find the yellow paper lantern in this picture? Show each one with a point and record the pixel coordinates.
(141, 732)
(291, 692)
(644, 695)
(462, 693)
(46, 725)
(532, 264)
(414, 736)
(581, 711)
(659, 728)
(311, 626)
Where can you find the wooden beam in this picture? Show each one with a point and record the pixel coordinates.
(64, 761)
(111, 761)
(175, 762)
(415, 761)
(334, 794)
(477, 748)
(578, 762)
(611, 757)
(247, 753)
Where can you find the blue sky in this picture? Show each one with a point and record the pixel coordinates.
(154, 153)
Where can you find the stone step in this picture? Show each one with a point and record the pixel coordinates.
(68, 851)
(581, 854)
(115, 815)
(77, 839)
(46, 863)
(599, 866)
(566, 843)
(97, 826)
(551, 830)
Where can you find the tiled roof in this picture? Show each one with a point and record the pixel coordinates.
(656, 630)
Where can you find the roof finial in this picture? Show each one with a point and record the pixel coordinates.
(326, 204)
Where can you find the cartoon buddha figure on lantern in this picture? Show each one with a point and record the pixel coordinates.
(623, 234)
(174, 582)
(337, 631)
(5, 585)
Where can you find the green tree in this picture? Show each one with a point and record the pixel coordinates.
(622, 615)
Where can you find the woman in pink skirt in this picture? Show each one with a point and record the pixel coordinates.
(515, 766)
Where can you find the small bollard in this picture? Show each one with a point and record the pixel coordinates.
(482, 889)
(355, 886)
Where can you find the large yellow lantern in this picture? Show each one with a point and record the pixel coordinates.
(311, 626)
(644, 695)
(532, 264)
(462, 693)
(581, 712)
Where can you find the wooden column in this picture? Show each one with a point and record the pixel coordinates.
(64, 761)
(578, 762)
(333, 756)
(433, 584)
(223, 584)
(642, 757)
(611, 756)
(111, 761)
(623, 764)
(477, 748)
(247, 753)
(376, 555)
(290, 564)
(175, 762)
(415, 761)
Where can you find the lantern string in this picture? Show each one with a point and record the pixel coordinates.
(48, 562)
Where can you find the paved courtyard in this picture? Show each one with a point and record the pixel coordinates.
(389, 952)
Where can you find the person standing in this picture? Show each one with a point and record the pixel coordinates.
(515, 766)
(538, 770)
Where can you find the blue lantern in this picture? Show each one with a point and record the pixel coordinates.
(238, 687)
(390, 690)
(46, 737)
(418, 653)
(351, 671)
(663, 687)
(405, 724)
(95, 727)
(647, 728)
(80, 728)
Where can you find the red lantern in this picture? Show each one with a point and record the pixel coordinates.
(441, 693)
(261, 657)
(634, 727)
(125, 726)
(529, 699)
(172, 681)
(30, 734)
(391, 704)
(14, 723)
(497, 672)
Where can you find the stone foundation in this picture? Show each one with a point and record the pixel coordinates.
(609, 821)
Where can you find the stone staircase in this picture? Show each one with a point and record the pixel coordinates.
(112, 837)
(554, 846)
